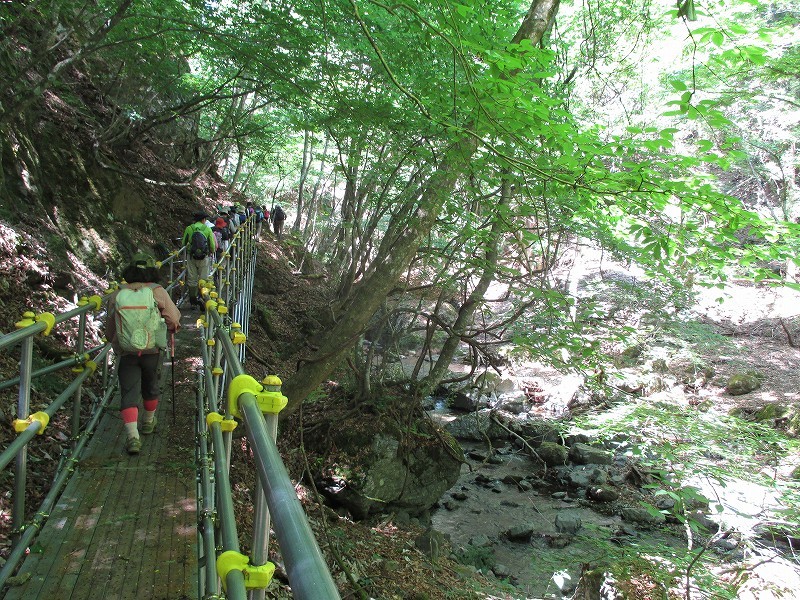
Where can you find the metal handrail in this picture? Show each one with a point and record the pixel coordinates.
(36, 426)
(76, 360)
(276, 498)
(19, 550)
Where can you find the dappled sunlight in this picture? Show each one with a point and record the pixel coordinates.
(741, 505)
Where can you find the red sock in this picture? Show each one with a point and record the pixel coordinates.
(130, 415)
(150, 405)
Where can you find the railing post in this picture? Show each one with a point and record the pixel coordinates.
(261, 517)
(23, 410)
(76, 403)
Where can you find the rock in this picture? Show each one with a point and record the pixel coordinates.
(516, 404)
(402, 518)
(642, 516)
(464, 402)
(583, 454)
(582, 476)
(495, 459)
(553, 454)
(476, 426)
(513, 479)
(519, 533)
(601, 494)
(480, 541)
(525, 486)
(481, 557)
(568, 522)
(664, 503)
(432, 544)
(558, 541)
(781, 416)
(501, 571)
(477, 455)
(743, 383)
(411, 478)
(576, 438)
(461, 496)
(536, 431)
(725, 544)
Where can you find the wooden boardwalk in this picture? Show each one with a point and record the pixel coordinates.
(125, 527)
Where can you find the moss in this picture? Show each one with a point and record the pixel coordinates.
(744, 383)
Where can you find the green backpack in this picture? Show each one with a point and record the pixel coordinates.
(140, 326)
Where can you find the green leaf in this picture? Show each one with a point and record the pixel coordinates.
(704, 145)
(717, 38)
(679, 85)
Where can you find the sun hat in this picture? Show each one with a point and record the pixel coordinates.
(220, 222)
(142, 260)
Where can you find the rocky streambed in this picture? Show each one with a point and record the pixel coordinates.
(539, 529)
(541, 519)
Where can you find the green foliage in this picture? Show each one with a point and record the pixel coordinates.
(480, 557)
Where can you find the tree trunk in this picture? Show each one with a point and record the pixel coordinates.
(399, 245)
(301, 185)
(466, 313)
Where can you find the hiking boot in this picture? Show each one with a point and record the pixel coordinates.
(148, 428)
(133, 445)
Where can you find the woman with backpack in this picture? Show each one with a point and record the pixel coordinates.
(140, 314)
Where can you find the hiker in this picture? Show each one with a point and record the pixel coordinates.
(222, 235)
(140, 313)
(200, 245)
(242, 214)
(278, 217)
(259, 213)
(233, 220)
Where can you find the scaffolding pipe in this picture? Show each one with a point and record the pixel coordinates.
(78, 359)
(32, 429)
(309, 576)
(23, 411)
(28, 533)
(208, 579)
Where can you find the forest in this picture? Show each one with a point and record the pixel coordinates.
(460, 178)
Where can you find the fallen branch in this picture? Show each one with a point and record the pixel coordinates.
(521, 439)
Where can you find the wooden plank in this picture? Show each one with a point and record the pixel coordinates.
(109, 548)
(176, 576)
(74, 514)
(125, 527)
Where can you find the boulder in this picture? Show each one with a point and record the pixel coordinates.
(536, 431)
(394, 476)
(583, 454)
(476, 426)
(743, 383)
(553, 454)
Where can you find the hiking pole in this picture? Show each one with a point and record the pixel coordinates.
(172, 345)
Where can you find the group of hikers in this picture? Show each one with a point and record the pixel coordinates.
(141, 314)
(205, 238)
